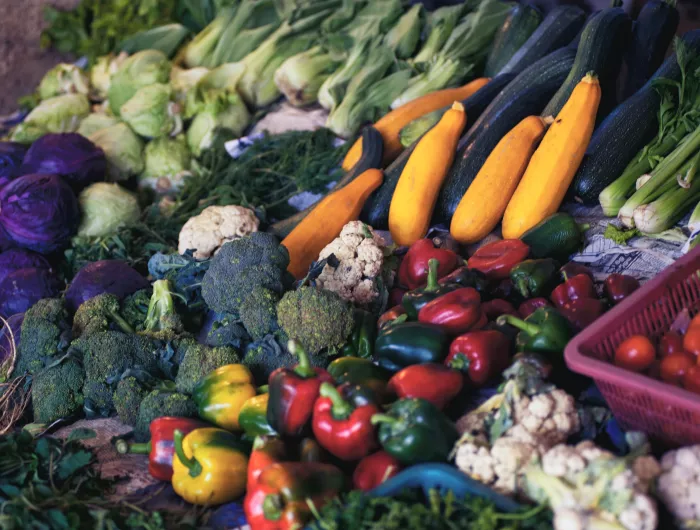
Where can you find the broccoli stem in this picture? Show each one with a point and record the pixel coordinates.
(161, 304)
(123, 324)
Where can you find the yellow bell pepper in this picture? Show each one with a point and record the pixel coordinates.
(210, 466)
(221, 395)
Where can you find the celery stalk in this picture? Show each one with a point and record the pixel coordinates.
(668, 209)
(666, 170)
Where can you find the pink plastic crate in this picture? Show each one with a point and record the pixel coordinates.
(667, 413)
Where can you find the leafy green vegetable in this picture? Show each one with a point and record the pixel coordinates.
(619, 235)
(411, 510)
(95, 27)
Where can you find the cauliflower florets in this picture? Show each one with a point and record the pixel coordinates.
(216, 225)
(360, 252)
(678, 486)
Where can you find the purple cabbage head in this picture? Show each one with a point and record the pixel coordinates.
(39, 212)
(106, 276)
(11, 156)
(9, 344)
(25, 278)
(69, 155)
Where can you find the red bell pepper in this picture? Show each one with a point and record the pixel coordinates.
(293, 393)
(530, 306)
(572, 269)
(342, 429)
(267, 450)
(619, 286)
(480, 355)
(495, 308)
(671, 342)
(456, 312)
(430, 381)
(390, 315)
(573, 288)
(496, 259)
(374, 469)
(161, 448)
(413, 271)
(582, 312)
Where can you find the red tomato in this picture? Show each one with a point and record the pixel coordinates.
(691, 381)
(671, 342)
(636, 354)
(674, 367)
(691, 340)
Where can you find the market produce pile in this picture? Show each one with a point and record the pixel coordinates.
(391, 356)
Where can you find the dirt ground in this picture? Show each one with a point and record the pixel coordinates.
(22, 61)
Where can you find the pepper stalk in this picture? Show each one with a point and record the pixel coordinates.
(195, 468)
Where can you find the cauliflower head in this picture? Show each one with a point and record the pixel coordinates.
(678, 486)
(216, 225)
(360, 253)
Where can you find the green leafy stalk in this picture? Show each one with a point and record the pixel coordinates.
(198, 51)
(441, 23)
(442, 73)
(300, 77)
(403, 37)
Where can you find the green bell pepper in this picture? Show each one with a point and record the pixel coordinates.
(357, 371)
(408, 343)
(361, 341)
(415, 431)
(535, 277)
(414, 300)
(544, 331)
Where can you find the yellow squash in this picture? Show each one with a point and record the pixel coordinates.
(390, 125)
(327, 219)
(555, 162)
(482, 206)
(417, 189)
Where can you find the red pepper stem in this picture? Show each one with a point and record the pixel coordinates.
(516, 322)
(123, 447)
(272, 507)
(521, 285)
(460, 362)
(432, 284)
(383, 418)
(340, 409)
(303, 367)
(191, 463)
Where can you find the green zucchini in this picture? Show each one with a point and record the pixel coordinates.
(600, 50)
(557, 29)
(520, 23)
(556, 237)
(372, 152)
(625, 131)
(653, 31)
(526, 95)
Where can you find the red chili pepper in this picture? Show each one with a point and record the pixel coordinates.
(530, 306)
(342, 429)
(619, 286)
(456, 312)
(293, 393)
(480, 355)
(582, 312)
(691, 380)
(390, 315)
(573, 288)
(495, 308)
(573, 269)
(430, 381)
(396, 295)
(374, 469)
(671, 342)
(691, 340)
(413, 271)
(161, 448)
(267, 450)
(496, 259)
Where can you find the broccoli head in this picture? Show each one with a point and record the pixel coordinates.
(57, 391)
(225, 330)
(45, 334)
(268, 354)
(239, 266)
(135, 308)
(100, 313)
(316, 318)
(259, 312)
(198, 360)
(159, 403)
(106, 356)
(127, 399)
